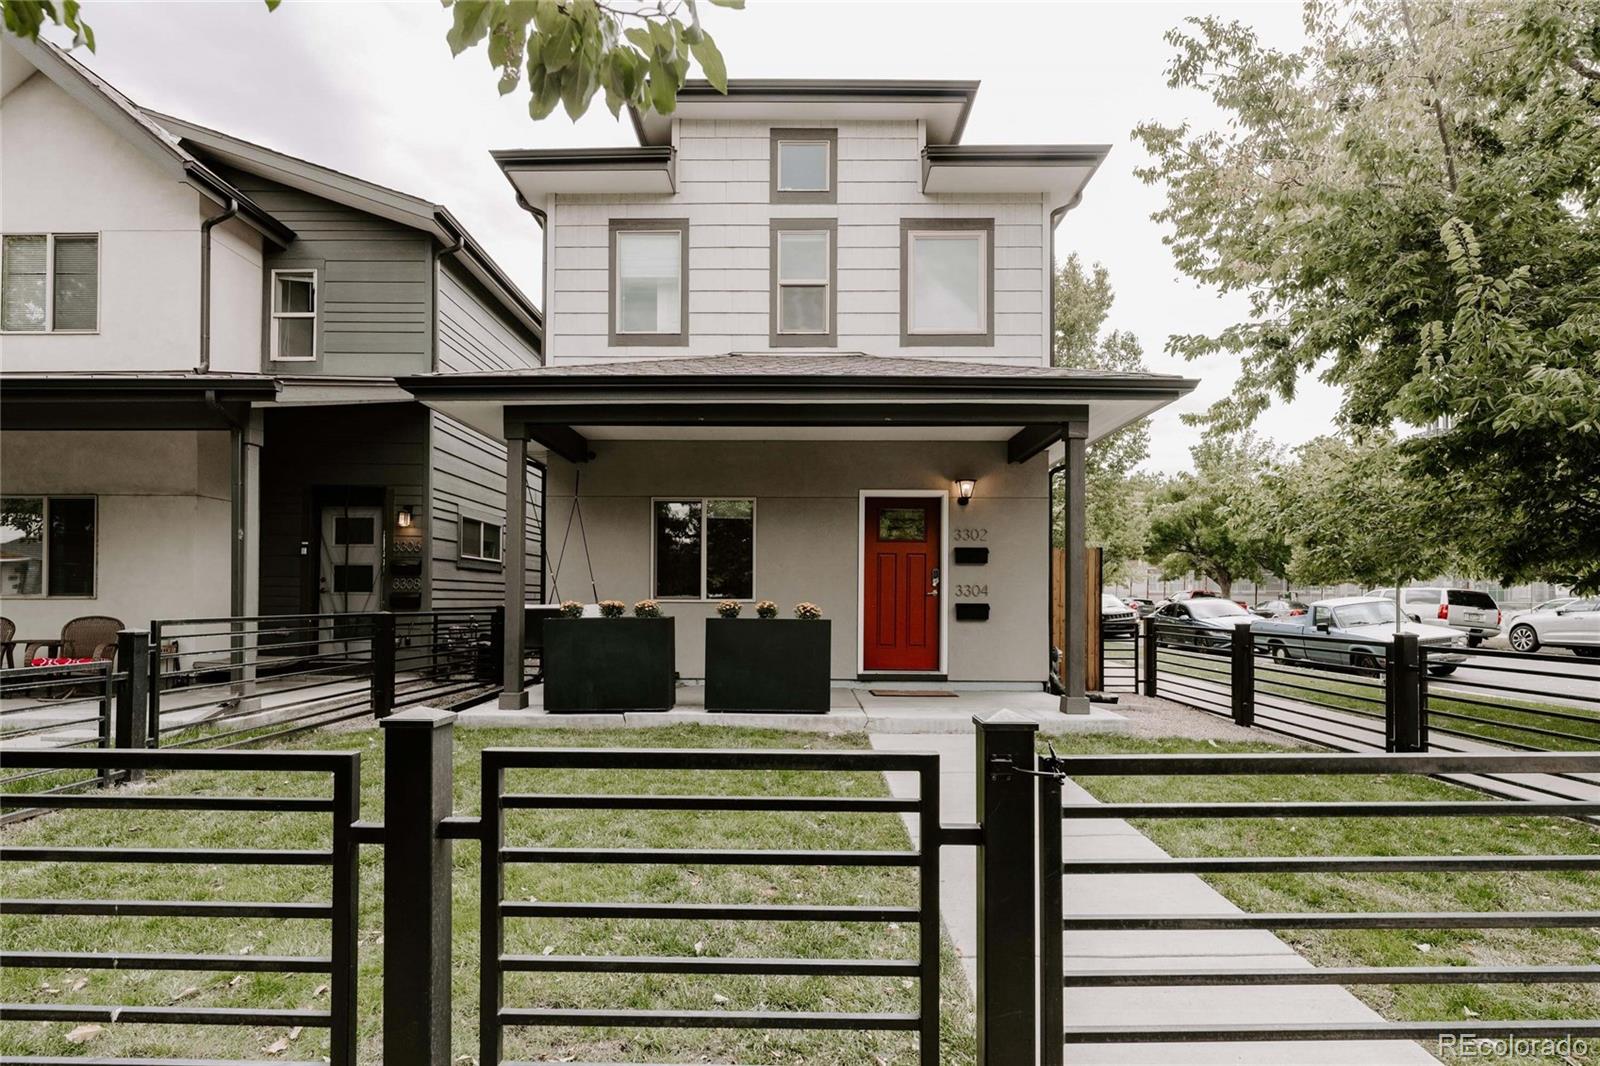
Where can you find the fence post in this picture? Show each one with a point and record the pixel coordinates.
(1404, 697)
(489, 667)
(1052, 961)
(1243, 676)
(1007, 890)
(153, 726)
(382, 664)
(130, 715)
(417, 797)
(1147, 648)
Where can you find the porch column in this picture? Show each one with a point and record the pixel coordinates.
(513, 695)
(1074, 699)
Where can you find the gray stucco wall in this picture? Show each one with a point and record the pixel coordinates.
(807, 529)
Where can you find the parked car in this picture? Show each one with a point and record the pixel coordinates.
(1206, 620)
(1280, 609)
(1574, 625)
(1353, 631)
(1472, 612)
(1117, 619)
(1548, 605)
(1141, 606)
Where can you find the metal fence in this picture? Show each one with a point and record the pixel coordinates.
(1058, 916)
(1119, 661)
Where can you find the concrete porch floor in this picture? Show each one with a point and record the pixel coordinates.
(851, 710)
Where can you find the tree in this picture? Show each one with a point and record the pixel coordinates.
(1411, 205)
(1358, 515)
(640, 53)
(1208, 521)
(1081, 301)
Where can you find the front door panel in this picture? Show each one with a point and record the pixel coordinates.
(350, 576)
(901, 615)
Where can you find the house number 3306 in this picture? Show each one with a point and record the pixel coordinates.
(970, 533)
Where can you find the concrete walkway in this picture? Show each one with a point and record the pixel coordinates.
(1110, 894)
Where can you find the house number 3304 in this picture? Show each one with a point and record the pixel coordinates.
(973, 534)
(972, 591)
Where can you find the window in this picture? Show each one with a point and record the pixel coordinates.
(649, 295)
(479, 541)
(50, 283)
(294, 315)
(946, 281)
(704, 549)
(47, 545)
(803, 282)
(804, 166)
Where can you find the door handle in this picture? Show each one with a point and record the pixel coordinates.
(934, 591)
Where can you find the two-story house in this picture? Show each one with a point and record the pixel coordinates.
(797, 347)
(199, 340)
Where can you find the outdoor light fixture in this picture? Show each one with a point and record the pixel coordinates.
(964, 489)
(404, 518)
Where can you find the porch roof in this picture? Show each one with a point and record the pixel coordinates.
(130, 401)
(765, 395)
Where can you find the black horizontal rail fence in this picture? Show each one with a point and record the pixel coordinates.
(497, 804)
(1188, 665)
(445, 655)
(1533, 702)
(1119, 661)
(1058, 917)
(340, 803)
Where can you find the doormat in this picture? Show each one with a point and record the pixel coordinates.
(913, 693)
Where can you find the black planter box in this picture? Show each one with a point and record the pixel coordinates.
(608, 664)
(767, 664)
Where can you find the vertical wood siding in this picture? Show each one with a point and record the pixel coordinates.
(723, 190)
(469, 474)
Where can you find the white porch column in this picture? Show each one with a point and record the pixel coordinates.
(513, 693)
(1074, 699)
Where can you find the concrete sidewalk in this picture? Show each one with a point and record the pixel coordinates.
(1110, 894)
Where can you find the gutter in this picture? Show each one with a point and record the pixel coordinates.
(205, 288)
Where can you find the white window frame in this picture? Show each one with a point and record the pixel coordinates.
(44, 552)
(50, 286)
(276, 316)
(703, 501)
(982, 239)
(484, 525)
(827, 164)
(824, 282)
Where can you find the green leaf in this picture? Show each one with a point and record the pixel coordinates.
(711, 63)
(663, 88)
(469, 25)
(640, 37)
(737, 5)
(272, 5)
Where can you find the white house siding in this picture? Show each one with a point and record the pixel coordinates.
(467, 472)
(161, 525)
(722, 173)
(472, 335)
(806, 536)
(64, 171)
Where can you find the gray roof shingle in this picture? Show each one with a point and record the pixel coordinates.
(830, 364)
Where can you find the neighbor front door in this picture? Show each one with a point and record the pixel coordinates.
(900, 584)
(352, 551)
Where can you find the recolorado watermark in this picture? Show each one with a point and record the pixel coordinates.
(1472, 1046)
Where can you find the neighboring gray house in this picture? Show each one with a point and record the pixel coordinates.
(797, 348)
(197, 385)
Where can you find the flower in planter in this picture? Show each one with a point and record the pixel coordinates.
(571, 609)
(612, 608)
(807, 611)
(647, 609)
(766, 609)
(728, 608)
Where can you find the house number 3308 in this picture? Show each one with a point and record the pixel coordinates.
(970, 533)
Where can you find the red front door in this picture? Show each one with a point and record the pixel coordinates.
(901, 584)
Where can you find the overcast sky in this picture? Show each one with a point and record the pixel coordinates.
(370, 88)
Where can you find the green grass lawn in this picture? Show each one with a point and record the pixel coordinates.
(1516, 891)
(1551, 726)
(681, 883)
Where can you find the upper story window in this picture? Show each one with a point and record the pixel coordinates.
(804, 275)
(649, 294)
(805, 166)
(947, 281)
(50, 283)
(49, 545)
(294, 315)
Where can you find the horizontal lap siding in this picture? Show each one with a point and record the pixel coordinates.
(375, 282)
(469, 473)
(723, 191)
(472, 335)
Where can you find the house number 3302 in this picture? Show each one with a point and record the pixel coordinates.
(973, 534)
(972, 591)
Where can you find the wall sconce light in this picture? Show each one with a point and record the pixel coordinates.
(404, 518)
(964, 489)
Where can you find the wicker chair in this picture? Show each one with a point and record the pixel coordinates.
(93, 636)
(8, 634)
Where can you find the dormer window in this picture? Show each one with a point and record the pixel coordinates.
(805, 166)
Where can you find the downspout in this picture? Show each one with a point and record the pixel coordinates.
(236, 559)
(205, 285)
